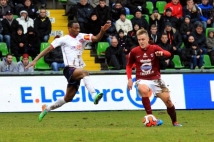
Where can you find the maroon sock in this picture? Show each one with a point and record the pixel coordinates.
(172, 113)
(147, 105)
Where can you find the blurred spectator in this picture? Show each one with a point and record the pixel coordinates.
(166, 62)
(116, 10)
(33, 42)
(18, 43)
(192, 10)
(42, 25)
(82, 12)
(176, 8)
(186, 28)
(31, 9)
(115, 56)
(69, 4)
(205, 16)
(132, 40)
(123, 2)
(23, 63)
(55, 58)
(154, 35)
(93, 27)
(199, 36)
(95, 3)
(196, 56)
(174, 38)
(135, 5)
(10, 26)
(4, 7)
(122, 40)
(210, 45)
(7, 64)
(155, 19)
(185, 51)
(140, 20)
(124, 24)
(18, 4)
(168, 18)
(1, 31)
(25, 21)
(110, 33)
(103, 11)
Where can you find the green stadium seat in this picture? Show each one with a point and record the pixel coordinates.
(101, 48)
(15, 16)
(14, 59)
(44, 45)
(207, 29)
(147, 18)
(62, 1)
(3, 48)
(207, 62)
(160, 5)
(42, 65)
(177, 61)
(149, 6)
(182, 45)
(129, 16)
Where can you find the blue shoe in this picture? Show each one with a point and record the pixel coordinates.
(43, 113)
(159, 122)
(177, 124)
(97, 98)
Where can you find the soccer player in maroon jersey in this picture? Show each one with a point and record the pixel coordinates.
(145, 56)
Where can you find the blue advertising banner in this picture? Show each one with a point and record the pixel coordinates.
(199, 91)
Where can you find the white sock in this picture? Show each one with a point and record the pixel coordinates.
(89, 86)
(57, 104)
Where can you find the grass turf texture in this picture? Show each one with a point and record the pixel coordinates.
(109, 126)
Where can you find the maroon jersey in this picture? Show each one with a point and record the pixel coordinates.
(147, 63)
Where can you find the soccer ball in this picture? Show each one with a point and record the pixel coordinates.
(149, 120)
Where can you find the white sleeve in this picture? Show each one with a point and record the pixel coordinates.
(86, 37)
(57, 42)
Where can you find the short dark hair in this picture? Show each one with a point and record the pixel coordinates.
(9, 55)
(71, 22)
(103, 0)
(164, 34)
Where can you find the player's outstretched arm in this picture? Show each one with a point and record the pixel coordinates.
(43, 53)
(99, 36)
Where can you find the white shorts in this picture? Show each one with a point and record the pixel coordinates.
(157, 86)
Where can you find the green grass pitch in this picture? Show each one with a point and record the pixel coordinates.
(107, 126)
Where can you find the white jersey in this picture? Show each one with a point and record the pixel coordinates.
(72, 48)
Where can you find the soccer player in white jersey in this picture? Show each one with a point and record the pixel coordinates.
(72, 46)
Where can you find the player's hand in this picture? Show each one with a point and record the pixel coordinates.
(159, 53)
(130, 84)
(33, 63)
(106, 27)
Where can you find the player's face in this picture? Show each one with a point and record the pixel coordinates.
(74, 29)
(143, 40)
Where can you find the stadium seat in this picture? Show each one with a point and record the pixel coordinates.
(160, 5)
(182, 45)
(207, 29)
(15, 16)
(44, 45)
(101, 48)
(177, 61)
(149, 6)
(147, 18)
(42, 65)
(3, 48)
(207, 62)
(129, 16)
(14, 59)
